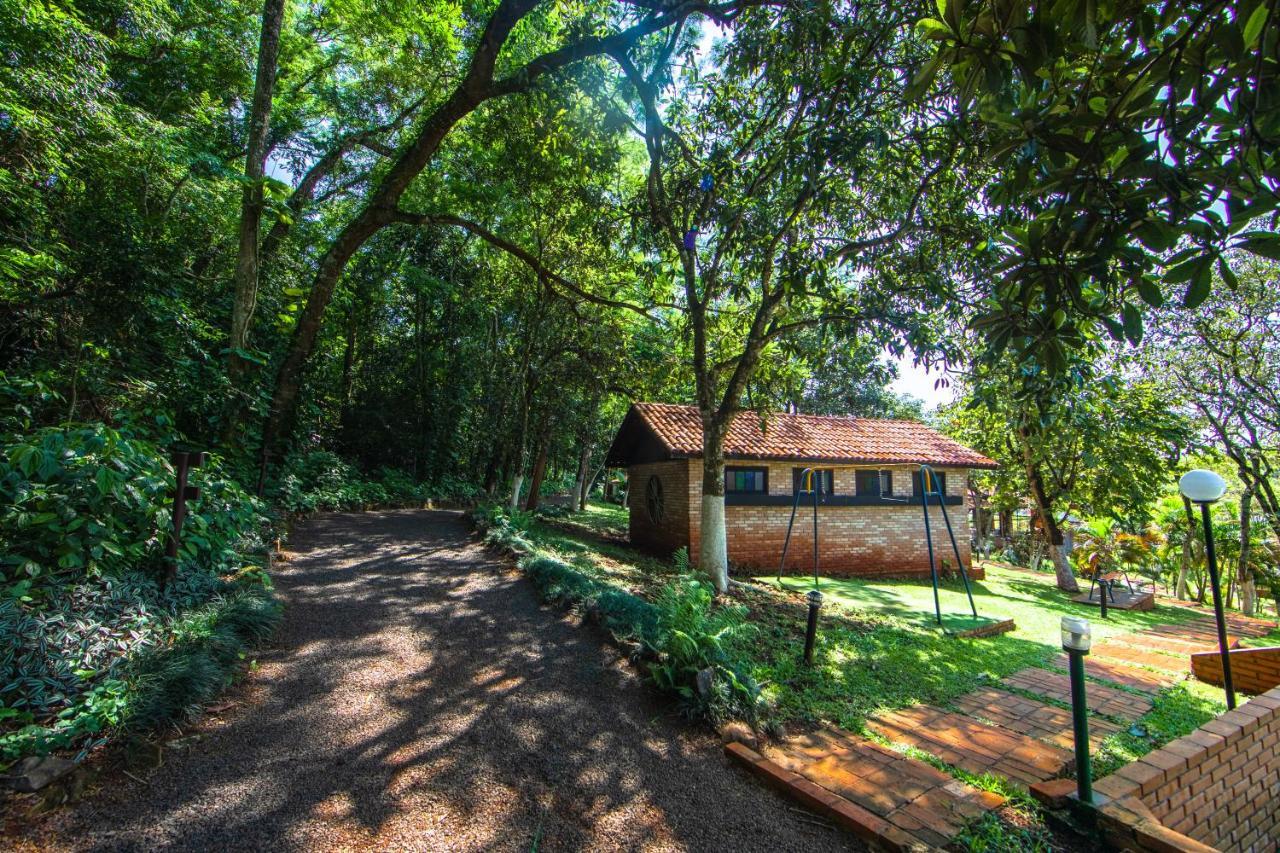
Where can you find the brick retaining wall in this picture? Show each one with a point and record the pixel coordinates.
(1219, 786)
(1253, 671)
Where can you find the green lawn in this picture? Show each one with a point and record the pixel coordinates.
(1032, 601)
(600, 518)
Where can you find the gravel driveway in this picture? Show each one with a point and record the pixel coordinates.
(420, 697)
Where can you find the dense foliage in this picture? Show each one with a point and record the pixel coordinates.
(91, 500)
(92, 635)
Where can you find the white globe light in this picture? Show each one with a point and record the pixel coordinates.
(1202, 487)
(1077, 633)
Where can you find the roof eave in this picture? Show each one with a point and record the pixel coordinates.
(840, 460)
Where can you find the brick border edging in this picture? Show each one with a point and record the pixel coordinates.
(862, 823)
(1124, 822)
(994, 629)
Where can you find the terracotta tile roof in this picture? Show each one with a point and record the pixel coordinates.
(808, 437)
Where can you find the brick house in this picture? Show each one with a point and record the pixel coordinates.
(870, 519)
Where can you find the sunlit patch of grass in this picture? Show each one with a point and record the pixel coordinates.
(866, 661)
(1034, 603)
(602, 519)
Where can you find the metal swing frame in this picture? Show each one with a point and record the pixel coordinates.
(930, 486)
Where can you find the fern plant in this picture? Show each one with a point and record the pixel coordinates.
(694, 659)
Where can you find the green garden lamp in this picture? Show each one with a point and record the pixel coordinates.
(1203, 488)
(1077, 637)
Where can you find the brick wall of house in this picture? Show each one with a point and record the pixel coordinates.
(1253, 671)
(672, 530)
(1218, 786)
(854, 540)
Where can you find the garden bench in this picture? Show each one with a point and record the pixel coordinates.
(1108, 581)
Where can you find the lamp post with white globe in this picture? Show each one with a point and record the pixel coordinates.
(1203, 488)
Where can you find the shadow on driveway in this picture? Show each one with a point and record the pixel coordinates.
(420, 697)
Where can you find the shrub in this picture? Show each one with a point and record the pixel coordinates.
(318, 480)
(626, 616)
(84, 516)
(693, 657)
(80, 633)
(88, 500)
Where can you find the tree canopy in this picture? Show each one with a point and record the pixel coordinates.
(455, 241)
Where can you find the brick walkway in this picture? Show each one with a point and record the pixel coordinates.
(974, 746)
(1116, 652)
(1123, 674)
(880, 794)
(1050, 723)
(1109, 701)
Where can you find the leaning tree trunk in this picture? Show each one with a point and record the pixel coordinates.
(1057, 547)
(591, 481)
(539, 471)
(1244, 577)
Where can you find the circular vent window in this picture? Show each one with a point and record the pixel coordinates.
(653, 499)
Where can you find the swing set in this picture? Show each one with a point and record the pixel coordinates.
(930, 487)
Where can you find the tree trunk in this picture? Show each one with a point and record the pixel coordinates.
(1062, 566)
(1184, 567)
(245, 297)
(591, 481)
(1057, 551)
(581, 485)
(539, 471)
(255, 163)
(517, 482)
(1244, 577)
(1037, 552)
(713, 544)
(284, 399)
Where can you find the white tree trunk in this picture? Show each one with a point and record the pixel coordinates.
(517, 483)
(713, 547)
(1184, 570)
(1244, 577)
(1037, 552)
